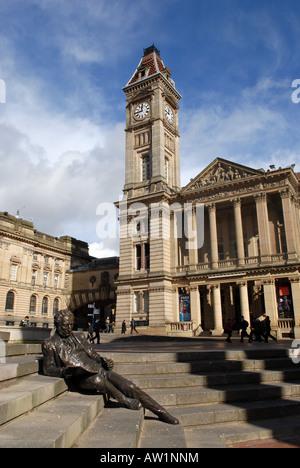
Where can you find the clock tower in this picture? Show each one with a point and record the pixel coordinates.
(152, 180)
(152, 138)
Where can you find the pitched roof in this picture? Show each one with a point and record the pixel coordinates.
(150, 64)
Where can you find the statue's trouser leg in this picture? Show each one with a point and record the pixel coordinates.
(103, 385)
(123, 390)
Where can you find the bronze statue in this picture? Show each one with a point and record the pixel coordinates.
(71, 356)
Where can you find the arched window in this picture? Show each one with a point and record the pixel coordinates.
(32, 306)
(10, 298)
(45, 306)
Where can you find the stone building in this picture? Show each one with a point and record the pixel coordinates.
(227, 245)
(34, 272)
(92, 291)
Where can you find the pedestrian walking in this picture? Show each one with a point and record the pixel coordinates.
(228, 331)
(267, 323)
(243, 327)
(97, 330)
(90, 332)
(256, 333)
(132, 324)
(107, 321)
(124, 328)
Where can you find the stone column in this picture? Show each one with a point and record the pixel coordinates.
(289, 223)
(195, 308)
(263, 226)
(271, 300)
(213, 234)
(192, 241)
(217, 311)
(295, 287)
(174, 241)
(244, 300)
(237, 207)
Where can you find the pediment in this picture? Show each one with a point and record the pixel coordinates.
(221, 171)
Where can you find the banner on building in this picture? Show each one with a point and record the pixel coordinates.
(184, 308)
(285, 302)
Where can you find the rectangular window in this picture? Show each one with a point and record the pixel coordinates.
(33, 277)
(45, 280)
(146, 168)
(138, 257)
(147, 256)
(136, 302)
(143, 256)
(13, 272)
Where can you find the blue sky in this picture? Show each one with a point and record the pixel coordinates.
(65, 62)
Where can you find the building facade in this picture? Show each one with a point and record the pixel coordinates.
(227, 245)
(92, 291)
(34, 272)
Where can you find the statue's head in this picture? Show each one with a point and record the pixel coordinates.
(64, 321)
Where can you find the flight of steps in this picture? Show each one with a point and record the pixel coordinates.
(221, 397)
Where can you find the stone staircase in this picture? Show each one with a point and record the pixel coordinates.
(221, 397)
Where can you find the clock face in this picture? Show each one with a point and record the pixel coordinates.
(142, 110)
(169, 114)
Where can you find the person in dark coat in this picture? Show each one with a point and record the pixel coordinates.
(124, 328)
(71, 356)
(267, 323)
(243, 327)
(97, 330)
(228, 331)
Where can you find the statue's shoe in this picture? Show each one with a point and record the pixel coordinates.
(167, 417)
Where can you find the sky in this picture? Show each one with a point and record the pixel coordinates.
(63, 64)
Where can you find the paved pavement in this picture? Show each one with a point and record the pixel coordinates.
(136, 343)
(142, 343)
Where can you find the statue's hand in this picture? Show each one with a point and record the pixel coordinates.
(69, 372)
(109, 364)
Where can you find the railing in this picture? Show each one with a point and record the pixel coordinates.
(179, 327)
(286, 325)
(233, 262)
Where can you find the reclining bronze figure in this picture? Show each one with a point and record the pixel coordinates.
(71, 356)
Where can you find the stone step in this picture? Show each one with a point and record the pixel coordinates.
(192, 367)
(171, 381)
(238, 393)
(19, 367)
(211, 414)
(22, 349)
(56, 424)
(160, 435)
(27, 394)
(116, 427)
(226, 435)
(224, 394)
(201, 355)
